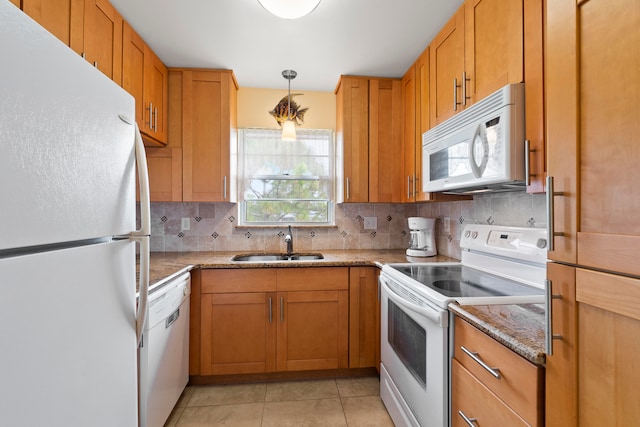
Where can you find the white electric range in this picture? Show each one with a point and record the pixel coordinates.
(499, 265)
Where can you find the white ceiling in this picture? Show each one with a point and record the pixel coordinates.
(359, 37)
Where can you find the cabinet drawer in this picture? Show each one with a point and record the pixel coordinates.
(238, 280)
(313, 279)
(471, 398)
(520, 382)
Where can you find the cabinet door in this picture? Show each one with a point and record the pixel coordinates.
(409, 135)
(534, 90)
(594, 132)
(133, 51)
(208, 98)
(238, 333)
(560, 373)
(313, 330)
(165, 174)
(385, 140)
(422, 119)
(608, 348)
(493, 46)
(446, 68)
(352, 133)
(62, 18)
(156, 95)
(103, 38)
(364, 318)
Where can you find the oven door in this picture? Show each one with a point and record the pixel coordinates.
(414, 357)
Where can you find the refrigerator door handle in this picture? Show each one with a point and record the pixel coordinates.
(143, 299)
(142, 235)
(143, 179)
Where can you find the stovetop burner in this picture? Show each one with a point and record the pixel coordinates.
(463, 281)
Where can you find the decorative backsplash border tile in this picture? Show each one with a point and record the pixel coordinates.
(212, 226)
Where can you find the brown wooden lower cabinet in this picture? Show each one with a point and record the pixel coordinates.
(267, 320)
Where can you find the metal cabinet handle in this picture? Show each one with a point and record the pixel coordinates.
(224, 188)
(549, 336)
(470, 421)
(348, 189)
(493, 371)
(455, 94)
(270, 311)
(464, 88)
(415, 185)
(150, 115)
(408, 187)
(281, 309)
(527, 162)
(155, 119)
(95, 64)
(551, 233)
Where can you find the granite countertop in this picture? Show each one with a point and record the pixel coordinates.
(519, 327)
(167, 265)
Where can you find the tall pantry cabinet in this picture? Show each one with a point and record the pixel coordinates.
(592, 87)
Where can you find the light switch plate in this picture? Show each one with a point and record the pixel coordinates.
(370, 223)
(446, 224)
(186, 224)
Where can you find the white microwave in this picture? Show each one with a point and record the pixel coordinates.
(480, 149)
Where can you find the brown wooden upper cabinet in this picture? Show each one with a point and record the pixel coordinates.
(209, 129)
(62, 18)
(369, 137)
(477, 52)
(103, 38)
(146, 78)
(486, 45)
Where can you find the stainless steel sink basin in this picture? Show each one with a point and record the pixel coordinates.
(276, 257)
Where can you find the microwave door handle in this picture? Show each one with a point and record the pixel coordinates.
(436, 316)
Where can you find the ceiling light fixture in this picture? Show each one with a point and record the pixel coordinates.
(289, 9)
(289, 126)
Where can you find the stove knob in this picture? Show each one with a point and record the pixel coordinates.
(541, 243)
(474, 235)
(467, 234)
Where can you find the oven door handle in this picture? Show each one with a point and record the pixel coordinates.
(436, 316)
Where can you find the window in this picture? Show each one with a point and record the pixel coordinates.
(286, 182)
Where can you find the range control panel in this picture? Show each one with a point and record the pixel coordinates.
(516, 242)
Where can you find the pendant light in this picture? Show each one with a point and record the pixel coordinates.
(289, 126)
(289, 9)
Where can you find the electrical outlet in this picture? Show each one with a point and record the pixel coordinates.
(446, 223)
(186, 224)
(370, 223)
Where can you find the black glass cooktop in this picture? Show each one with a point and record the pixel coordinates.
(461, 281)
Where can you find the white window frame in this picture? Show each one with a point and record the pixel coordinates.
(329, 179)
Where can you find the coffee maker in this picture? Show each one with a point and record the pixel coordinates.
(422, 241)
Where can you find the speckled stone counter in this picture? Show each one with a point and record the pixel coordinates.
(518, 327)
(167, 265)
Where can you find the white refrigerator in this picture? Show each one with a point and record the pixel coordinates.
(69, 150)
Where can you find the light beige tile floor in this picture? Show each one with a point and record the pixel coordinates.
(340, 402)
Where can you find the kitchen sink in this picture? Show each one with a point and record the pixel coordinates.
(276, 257)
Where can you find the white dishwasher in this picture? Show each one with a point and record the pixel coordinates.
(164, 355)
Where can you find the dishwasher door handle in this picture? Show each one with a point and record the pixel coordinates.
(170, 320)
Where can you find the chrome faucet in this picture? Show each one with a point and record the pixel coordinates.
(289, 239)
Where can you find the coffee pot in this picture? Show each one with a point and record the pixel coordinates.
(422, 241)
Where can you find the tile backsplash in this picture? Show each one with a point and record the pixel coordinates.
(183, 227)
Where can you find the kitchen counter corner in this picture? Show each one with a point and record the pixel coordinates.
(518, 327)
